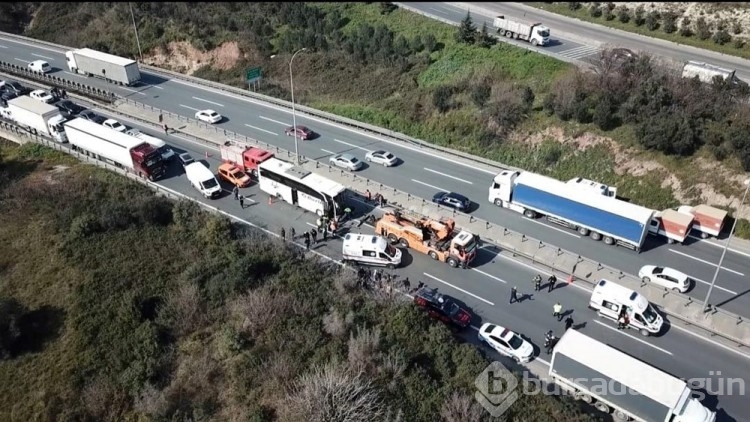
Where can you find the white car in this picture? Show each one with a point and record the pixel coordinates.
(346, 161)
(665, 277)
(42, 96)
(381, 157)
(40, 66)
(208, 116)
(506, 342)
(114, 124)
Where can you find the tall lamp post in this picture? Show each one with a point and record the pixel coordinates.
(294, 111)
(706, 305)
(137, 39)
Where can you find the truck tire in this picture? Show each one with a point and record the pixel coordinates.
(452, 262)
(608, 240)
(392, 238)
(433, 255)
(529, 213)
(602, 407)
(319, 213)
(498, 202)
(670, 241)
(403, 243)
(508, 34)
(621, 416)
(534, 42)
(595, 235)
(704, 235)
(583, 231)
(583, 397)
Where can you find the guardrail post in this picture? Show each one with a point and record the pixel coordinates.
(559, 251)
(622, 275)
(541, 245)
(666, 292)
(523, 238)
(599, 266)
(487, 225)
(471, 219)
(505, 230)
(739, 320)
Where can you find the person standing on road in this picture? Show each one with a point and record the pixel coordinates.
(568, 322)
(551, 283)
(407, 284)
(307, 242)
(283, 234)
(537, 282)
(314, 235)
(236, 192)
(325, 232)
(556, 311)
(293, 233)
(513, 294)
(242, 201)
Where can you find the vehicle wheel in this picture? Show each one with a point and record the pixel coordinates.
(403, 243)
(583, 397)
(508, 34)
(368, 159)
(391, 266)
(498, 202)
(433, 255)
(583, 231)
(646, 279)
(595, 236)
(254, 173)
(608, 240)
(644, 332)
(392, 238)
(452, 262)
(529, 213)
(515, 358)
(621, 416)
(534, 42)
(670, 241)
(704, 235)
(319, 213)
(675, 289)
(602, 407)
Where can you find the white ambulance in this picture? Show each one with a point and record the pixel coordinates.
(610, 299)
(370, 250)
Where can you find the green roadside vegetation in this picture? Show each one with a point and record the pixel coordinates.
(721, 37)
(117, 304)
(386, 66)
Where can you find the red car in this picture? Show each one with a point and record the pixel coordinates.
(302, 132)
(442, 307)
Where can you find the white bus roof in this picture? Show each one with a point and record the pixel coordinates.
(313, 180)
(584, 196)
(639, 376)
(98, 55)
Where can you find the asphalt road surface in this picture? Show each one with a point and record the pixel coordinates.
(422, 174)
(484, 289)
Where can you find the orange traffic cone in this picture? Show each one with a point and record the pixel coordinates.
(570, 279)
(206, 155)
(270, 200)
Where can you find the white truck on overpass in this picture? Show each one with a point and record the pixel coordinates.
(615, 382)
(111, 68)
(535, 33)
(37, 117)
(706, 72)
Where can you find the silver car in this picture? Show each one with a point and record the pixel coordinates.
(346, 161)
(381, 157)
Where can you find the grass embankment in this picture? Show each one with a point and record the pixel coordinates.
(119, 305)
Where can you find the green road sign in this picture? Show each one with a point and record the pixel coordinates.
(254, 74)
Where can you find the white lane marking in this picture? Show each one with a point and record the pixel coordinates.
(633, 337)
(2, 46)
(188, 107)
(153, 86)
(44, 57)
(34, 46)
(262, 130)
(352, 145)
(719, 245)
(328, 152)
(207, 101)
(555, 228)
(706, 262)
(708, 284)
(74, 74)
(21, 60)
(715, 343)
(490, 276)
(448, 175)
(132, 90)
(275, 121)
(436, 10)
(342, 127)
(430, 186)
(459, 289)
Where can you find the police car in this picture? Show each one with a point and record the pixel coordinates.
(506, 342)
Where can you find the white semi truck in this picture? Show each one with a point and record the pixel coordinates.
(37, 117)
(706, 72)
(111, 68)
(535, 33)
(615, 382)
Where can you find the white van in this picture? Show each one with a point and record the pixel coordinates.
(371, 250)
(610, 299)
(203, 179)
(40, 66)
(159, 145)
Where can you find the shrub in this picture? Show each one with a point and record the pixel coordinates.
(480, 93)
(595, 10)
(702, 29)
(441, 98)
(608, 15)
(685, 29)
(669, 22)
(638, 16)
(387, 7)
(738, 43)
(604, 116)
(736, 28)
(574, 5)
(467, 31)
(652, 20)
(430, 43)
(722, 37)
(623, 14)
(672, 134)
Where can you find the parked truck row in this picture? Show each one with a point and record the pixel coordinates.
(594, 210)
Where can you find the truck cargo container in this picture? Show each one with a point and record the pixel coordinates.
(37, 117)
(673, 225)
(115, 147)
(592, 212)
(115, 69)
(246, 157)
(706, 72)
(709, 221)
(535, 33)
(615, 382)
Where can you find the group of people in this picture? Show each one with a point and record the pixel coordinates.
(378, 198)
(58, 93)
(383, 281)
(551, 280)
(324, 227)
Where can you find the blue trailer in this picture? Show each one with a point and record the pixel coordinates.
(589, 211)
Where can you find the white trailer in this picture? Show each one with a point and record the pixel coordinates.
(535, 33)
(705, 72)
(120, 70)
(617, 382)
(37, 117)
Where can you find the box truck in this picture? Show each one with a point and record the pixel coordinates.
(115, 148)
(709, 221)
(37, 117)
(115, 69)
(245, 157)
(611, 300)
(591, 209)
(615, 382)
(535, 33)
(706, 72)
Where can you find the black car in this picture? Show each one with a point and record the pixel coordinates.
(452, 200)
(91, 116)
(70, 108)
(8, 95)
(442, 307)
(185, 159)
(16, 88)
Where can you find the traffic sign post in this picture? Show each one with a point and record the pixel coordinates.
(254, 75)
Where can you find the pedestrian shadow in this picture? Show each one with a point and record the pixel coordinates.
(579, 326)
(566, 313)
(526, 296)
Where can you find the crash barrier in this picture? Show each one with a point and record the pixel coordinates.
(53, 80)
(718, 322)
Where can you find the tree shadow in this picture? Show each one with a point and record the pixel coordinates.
(38, 328)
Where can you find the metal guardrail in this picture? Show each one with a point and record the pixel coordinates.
(72, 86)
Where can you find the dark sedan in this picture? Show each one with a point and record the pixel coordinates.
(70, 108)
(92, 117)
(452, 200)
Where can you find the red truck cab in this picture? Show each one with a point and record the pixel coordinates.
(147, 162)
(246, 157)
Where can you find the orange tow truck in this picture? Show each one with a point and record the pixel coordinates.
(439, 239)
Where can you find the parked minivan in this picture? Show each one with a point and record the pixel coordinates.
(203, 179)
(370, 250)
(610, 300)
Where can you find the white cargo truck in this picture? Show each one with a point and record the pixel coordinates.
(615, 382)
(535, 33)
(37, 117)
(159, 145)
(115, 69)
(706, 72)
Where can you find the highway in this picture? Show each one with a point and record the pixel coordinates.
(576, 39)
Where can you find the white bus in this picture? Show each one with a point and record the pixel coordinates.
(300, 187)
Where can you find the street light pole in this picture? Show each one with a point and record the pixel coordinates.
(706, 305)
(294, 111)
(138, 40)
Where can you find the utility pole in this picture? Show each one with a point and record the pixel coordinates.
(137, 40)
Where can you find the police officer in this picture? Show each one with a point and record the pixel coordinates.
(551, 283)
(537, 282)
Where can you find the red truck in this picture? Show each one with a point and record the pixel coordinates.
(245, 157)
(708, 220)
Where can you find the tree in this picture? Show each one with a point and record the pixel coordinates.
(638, 16)
(670, 22)
(652, 20)
(721, 37)
(430, 43)
(441, 98)
(685, 29)
(11, 312)
(670, 133)
(623, 14)
(485, 39)
(595, 10)
(574, 5)
(702, 29)
(467, 31)
(736, 27)
(480, 93)
(604, 116)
